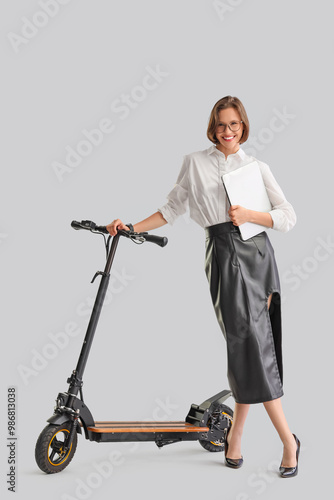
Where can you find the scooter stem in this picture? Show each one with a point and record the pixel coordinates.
(75, 380)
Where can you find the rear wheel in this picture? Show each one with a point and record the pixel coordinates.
(221, 418)
(51, 454)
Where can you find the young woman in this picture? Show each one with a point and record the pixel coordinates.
(242, 275)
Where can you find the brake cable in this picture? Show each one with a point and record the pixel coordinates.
(106, 241)
(138, 240)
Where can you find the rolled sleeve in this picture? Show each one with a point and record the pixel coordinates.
(177, 203)
(282, 213)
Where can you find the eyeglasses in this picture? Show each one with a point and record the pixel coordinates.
(233, 126)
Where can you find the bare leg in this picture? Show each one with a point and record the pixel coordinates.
(276, 414)
(235, 434)
(275, 411)
(239, 418)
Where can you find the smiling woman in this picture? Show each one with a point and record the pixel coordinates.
(242, 274)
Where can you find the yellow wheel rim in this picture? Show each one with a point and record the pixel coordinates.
(59, 451)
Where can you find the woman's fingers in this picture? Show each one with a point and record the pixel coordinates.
(111, 229)
(115, 225)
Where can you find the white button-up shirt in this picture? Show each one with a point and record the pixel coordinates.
(199, 186)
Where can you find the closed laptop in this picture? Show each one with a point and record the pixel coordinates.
(244, 186)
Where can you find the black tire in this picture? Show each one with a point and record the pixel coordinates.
(216, 446)
(49, 454)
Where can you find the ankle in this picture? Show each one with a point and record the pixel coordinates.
(289, 441)
(235, 433)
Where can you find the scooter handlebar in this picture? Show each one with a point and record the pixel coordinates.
(91, 226)
(159, 240)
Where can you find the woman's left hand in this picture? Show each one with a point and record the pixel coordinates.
(238, 214)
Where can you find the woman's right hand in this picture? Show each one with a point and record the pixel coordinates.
(115, 225)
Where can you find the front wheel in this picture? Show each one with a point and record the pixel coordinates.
(50, 452)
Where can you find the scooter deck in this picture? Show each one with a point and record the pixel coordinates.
(137, 426)
(160, 432)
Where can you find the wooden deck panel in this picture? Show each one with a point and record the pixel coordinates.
(136, 426)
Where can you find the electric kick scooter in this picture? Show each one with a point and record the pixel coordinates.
(207, 423)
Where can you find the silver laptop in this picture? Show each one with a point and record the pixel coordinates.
(244, 186)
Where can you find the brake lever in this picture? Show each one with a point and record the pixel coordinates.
(132, 235)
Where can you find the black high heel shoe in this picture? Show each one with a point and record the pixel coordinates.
(291, 471)
(234, 463)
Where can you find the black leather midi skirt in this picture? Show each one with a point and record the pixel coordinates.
(242, 275)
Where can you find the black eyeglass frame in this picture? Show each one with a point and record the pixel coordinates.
(222, 127)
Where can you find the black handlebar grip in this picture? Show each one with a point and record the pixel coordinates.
(75, 224)
(159, 240)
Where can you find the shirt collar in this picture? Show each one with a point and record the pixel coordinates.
(213, 149)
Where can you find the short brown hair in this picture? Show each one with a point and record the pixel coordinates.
(227, 102)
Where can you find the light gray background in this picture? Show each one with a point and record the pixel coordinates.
(158, 338)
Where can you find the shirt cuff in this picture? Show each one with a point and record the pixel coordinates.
(167, 214)
(277, 217)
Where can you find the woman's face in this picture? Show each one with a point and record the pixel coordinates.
(228, 140)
